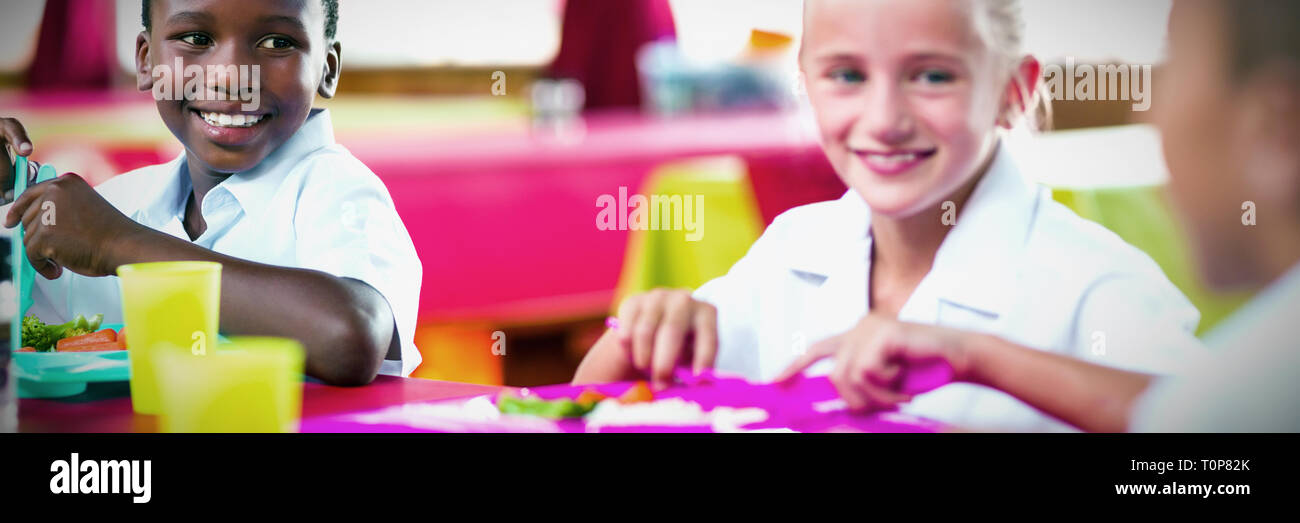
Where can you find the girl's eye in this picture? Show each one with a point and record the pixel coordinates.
(846, 75)
(275, 42)
(197, 40)
(935, 76)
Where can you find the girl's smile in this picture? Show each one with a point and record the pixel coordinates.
(894, 162)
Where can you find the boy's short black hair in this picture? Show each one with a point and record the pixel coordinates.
(1262, 32)
(331, 17)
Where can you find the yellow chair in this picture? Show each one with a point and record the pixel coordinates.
(1142, 216)
(728, 224)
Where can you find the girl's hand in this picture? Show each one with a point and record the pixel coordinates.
(655, 329)
(870, 359)
(70, 225)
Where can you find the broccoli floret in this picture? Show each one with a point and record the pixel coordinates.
(35, 334)
(44, 338)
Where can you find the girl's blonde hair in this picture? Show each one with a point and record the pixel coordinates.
(1001, 25)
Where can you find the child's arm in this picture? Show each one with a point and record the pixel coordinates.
(346, 326)
(870, 356)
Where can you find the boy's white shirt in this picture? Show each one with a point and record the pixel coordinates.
(1017, 264)
(1252, 384)
(309, 204)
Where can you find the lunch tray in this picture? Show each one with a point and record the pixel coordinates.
(59, 374)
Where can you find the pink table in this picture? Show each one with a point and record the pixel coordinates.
(107, 407)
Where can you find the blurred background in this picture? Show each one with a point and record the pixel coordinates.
(496, 125)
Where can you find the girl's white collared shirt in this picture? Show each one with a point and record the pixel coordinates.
(309, 204)
(1016, 264)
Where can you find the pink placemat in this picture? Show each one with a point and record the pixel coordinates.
(804, 404)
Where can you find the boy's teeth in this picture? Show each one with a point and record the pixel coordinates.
(231, 120)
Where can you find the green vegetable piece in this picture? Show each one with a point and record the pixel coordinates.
(35, 334)
(532, 406)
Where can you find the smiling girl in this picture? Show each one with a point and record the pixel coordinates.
(938, 228)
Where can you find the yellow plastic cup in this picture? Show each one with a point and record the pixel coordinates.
(252, 384)
(167, 306)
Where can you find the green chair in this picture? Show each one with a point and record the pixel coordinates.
(1142, 216)
(730, 222)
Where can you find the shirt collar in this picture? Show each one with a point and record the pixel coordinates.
(166, 198)
(253, 189)
(979, 261)
(976, 263)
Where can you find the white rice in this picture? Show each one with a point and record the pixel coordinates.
(671, 412)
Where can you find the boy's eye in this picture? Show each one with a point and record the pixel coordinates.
(935, 76)
(197, 40)
(275, 42)
(846, 75)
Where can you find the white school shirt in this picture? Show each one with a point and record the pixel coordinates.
(1252, 382)
(1016, 264)
(309, 204)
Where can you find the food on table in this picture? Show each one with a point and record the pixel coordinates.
(640, 392)
(559, 408)
(94, 347)
(533, 406)
(590, 397)
(672, 412)
(93, 338)
(79, 333)
(635, 407)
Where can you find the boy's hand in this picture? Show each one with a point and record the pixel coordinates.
(654, 329)
(12, 135)
(871, 357)
(70, 225)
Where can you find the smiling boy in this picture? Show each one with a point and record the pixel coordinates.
(310, 243)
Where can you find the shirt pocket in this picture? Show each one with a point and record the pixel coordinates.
(957, 316)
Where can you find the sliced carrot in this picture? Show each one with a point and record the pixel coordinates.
(589, 397)
(107, 345)
(27, 349)
(637, 394)
(101, 336)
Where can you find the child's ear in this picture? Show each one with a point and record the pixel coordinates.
(143, 68)
(1019, 96)
(329, 81)
(1268, 135)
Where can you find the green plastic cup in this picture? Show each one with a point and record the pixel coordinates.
(167, 306)
(251, 384)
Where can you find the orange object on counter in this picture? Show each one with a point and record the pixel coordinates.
(94, 347)
(639, 393)
(100, 336)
